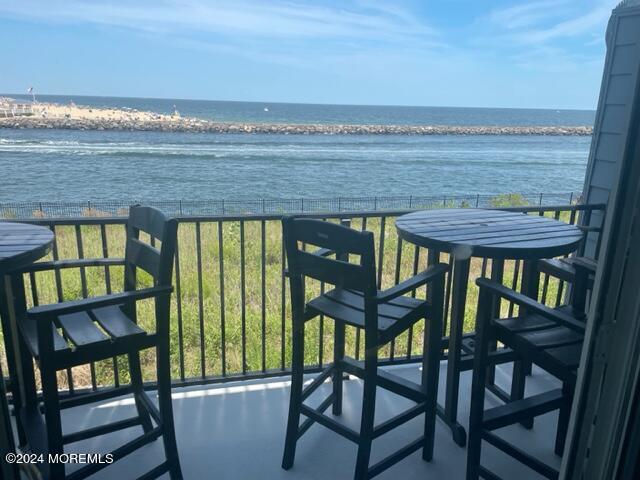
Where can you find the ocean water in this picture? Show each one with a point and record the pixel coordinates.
(65, 165)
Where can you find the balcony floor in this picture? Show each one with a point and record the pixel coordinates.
(236, 431)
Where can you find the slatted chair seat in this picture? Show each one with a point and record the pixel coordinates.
(87, 330)
(116, 323)
(561, 268)
(28, 328)
(555, 348)
(564, 268)
(567, 356)
(531, 322)
(347, 306)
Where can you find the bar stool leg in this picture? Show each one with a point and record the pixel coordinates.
(137, 385)
(28, 377)
(368, 413)
(338, 356)
(563, 420)
(166, 409)
(295, 402)
(518, 383)
(476, 413)
(431, 365)
(474, 445)
(497, 274)
(458, 300)
(52, 419)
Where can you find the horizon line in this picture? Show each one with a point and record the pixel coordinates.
(297, 103)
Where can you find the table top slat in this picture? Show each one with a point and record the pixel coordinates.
(512, 226)
(504, 233)
(496, 234)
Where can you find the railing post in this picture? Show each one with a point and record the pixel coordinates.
(571, 198)
(302, 205)
(339, 204)
(180, 206)
(410, 201)
(540, 203)
(375, 203)
(223, 206)
(477, 200)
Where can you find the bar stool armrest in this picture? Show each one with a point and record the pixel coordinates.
(73, 306)
(430, 274)
(531, 305)
(72, 263)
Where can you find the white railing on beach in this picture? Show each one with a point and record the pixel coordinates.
(15, 109)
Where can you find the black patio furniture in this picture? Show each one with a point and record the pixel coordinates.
(71, 333)
(550, 338)
(489, 234)
(383, 315)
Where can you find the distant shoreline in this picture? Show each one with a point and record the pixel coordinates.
(74, 117)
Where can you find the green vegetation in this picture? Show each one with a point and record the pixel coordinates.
(508, 200)
(209, 311)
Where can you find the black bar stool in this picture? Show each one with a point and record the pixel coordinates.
(67, 334)
(383, 315)
(550, 338)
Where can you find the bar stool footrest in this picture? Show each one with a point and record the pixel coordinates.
(330, 423)
(387, 380)
(118, 453)
(395, 457)
(524, 409)
(320, 410)
(519, 455)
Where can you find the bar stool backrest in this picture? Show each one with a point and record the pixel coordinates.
(344, 241)
(156, 260)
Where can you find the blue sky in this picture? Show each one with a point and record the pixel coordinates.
(494, 53)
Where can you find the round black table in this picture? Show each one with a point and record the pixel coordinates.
(20, 245)
(493, 234)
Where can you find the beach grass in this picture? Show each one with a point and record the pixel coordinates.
(197, 318)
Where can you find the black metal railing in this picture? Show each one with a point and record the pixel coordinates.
(230, 311)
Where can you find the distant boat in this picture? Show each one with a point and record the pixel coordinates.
(266, 109)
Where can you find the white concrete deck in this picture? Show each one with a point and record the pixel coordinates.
(236, 431)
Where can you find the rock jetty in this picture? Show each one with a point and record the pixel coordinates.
(52, 116)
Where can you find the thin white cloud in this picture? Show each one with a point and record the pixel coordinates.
(546, 20)
(584, 24)
(527, 14)
(228, 17)
(290, 33)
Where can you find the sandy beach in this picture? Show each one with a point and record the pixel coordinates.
(72, 116)
(79, 112)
